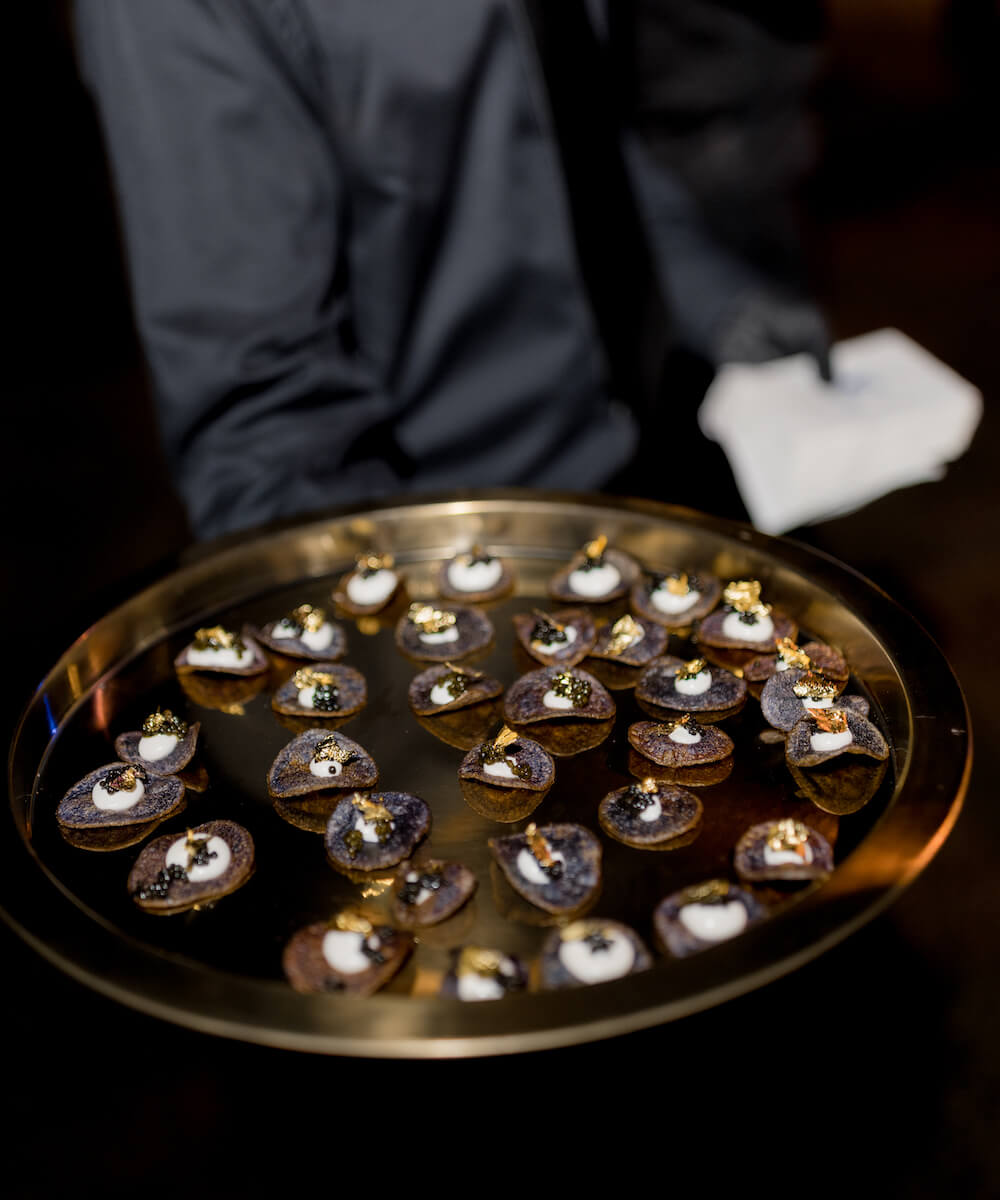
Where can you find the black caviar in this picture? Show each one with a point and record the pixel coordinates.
(123, 779)
(326, 697)
(548, 633)
(432, 881)
(455, 684)
(636, 799)
(490, 752)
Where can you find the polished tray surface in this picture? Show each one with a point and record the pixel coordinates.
(220, 969)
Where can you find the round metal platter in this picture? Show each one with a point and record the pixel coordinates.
(219, 969)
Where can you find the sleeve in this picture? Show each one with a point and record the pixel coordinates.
(232, 206)
(716, 138)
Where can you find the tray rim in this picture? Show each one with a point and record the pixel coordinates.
(887, 860)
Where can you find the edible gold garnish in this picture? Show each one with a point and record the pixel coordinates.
(788, 834)
(814, 686)
(539, 846)
(328, 749)
(496, 752)
(792, 656)
(506, 737)
(475, 960)
(370, 562)
(567, 685)
(686, 721)
(743, 596)
(829, 720)
(693, 667)
(625, 632)
(474, 555)
(371, 811)
(677, 585)
(595, 549)
(429, 619)
(123, 779)
(164, 721)
(649, 786)
(577, 931)
(464, 672)
(307, 617)
(216, 638)
(196, 849)
(713, 891)
(349, 920)
(309, 677)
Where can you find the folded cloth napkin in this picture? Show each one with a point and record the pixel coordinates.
(803, 450)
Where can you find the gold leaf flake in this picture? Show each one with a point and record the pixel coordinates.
(370, 810)
(788, 834)
(429, 619)
(792, 656)
(814, 686)
(371, 561)
(476, 960)
(215, 637)
(829, 720)
(308, 617)
(307, 677)
(164, 721)
(349, 920)
(625, 632)
(596, 548)
(712, 891)
(328, 749)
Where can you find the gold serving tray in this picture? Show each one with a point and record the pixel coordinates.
(219, 970)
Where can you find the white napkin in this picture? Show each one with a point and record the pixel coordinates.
(802, 450)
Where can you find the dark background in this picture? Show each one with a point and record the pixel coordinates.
(888, 1045)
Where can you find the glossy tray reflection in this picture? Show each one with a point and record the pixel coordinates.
(220, 969)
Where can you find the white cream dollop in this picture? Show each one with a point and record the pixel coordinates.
(780, 858)
(281, 631)
(376, 588)
(120, 801)
(177, 856)
(821, 742)
(344, 950)
(653, 811)
(441, 695)
(157, 746)
(595, 966)
(436, 639)
(817, 702)
(318, 639)
(225, 656)
(683, 736)
(598, 581)
(696, 685)
(552, 699)
(555, 647)
(668, 602)
(479, 987)
(422, 893)
(760, 631)
(714, 922)
(325, 768)
(500, 769)
(367, 828)
(530, 868)
(474, 577)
